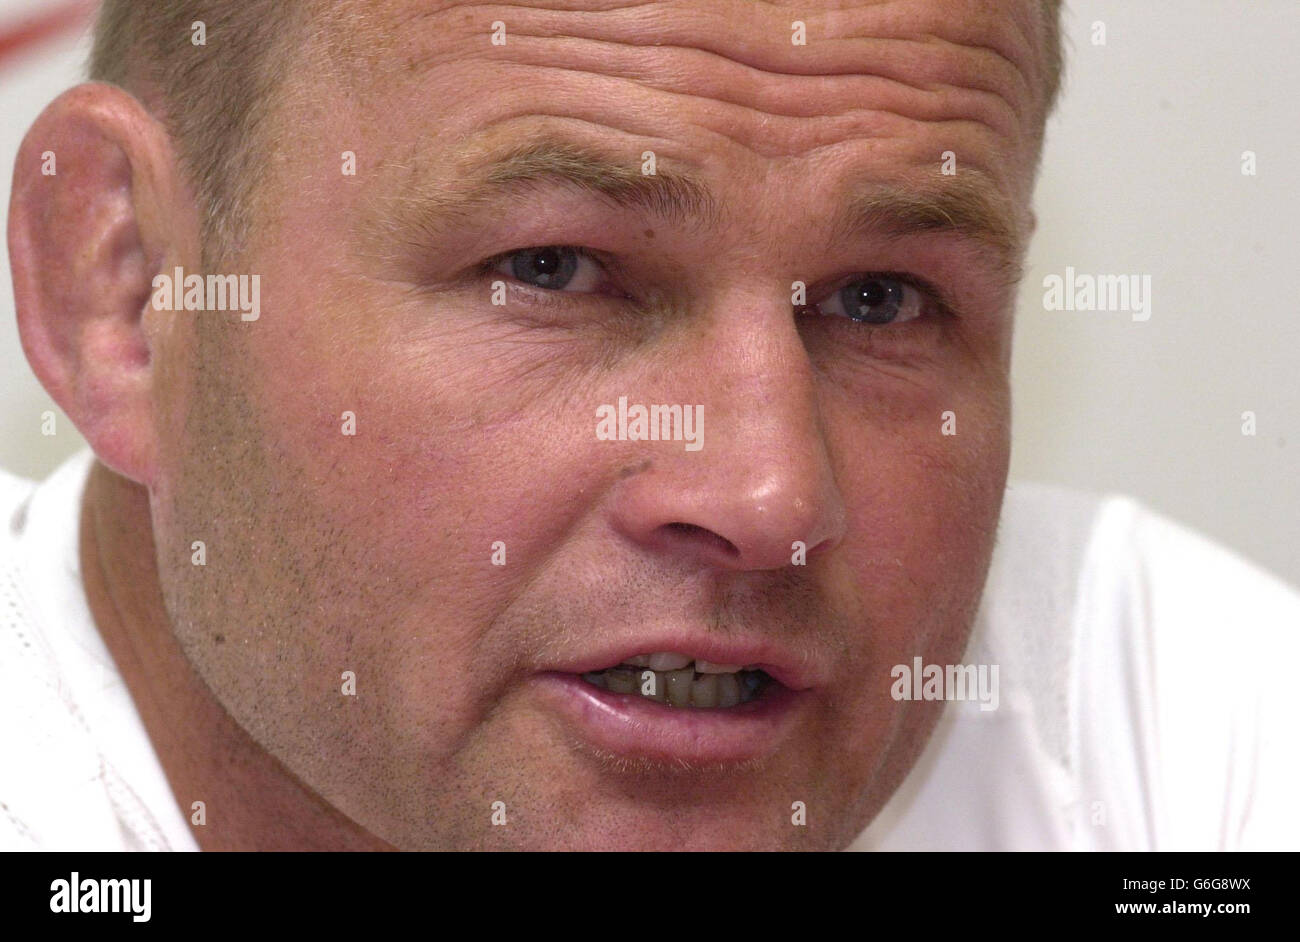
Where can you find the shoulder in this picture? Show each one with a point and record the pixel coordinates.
(1182, 650)
(57, 789)
(1164, 651)
(48, 762)
(1108, 575)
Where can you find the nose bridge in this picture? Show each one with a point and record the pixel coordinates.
(773, 441)
(766, 406)
(762, 479)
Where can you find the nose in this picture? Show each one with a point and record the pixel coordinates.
(762, 484)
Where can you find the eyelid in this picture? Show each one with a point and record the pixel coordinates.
(553, 300)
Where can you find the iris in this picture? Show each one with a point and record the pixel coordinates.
(549, 267)
(873, 300)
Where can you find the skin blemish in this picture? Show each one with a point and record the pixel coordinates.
(635, 469)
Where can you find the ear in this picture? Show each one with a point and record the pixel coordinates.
(97, 209)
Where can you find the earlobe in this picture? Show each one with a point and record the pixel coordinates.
(88, 228)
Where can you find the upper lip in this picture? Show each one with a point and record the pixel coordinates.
(782, 664)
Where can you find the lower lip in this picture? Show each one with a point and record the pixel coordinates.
(636, 727)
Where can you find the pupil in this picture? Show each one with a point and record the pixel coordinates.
(550, 267)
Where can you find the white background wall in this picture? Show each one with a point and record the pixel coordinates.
(1142, 175)
(28, 82)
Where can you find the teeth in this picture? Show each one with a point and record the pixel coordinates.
(722, 686)
(671, 661)
(704, 692)
(679, 687)
(708, 667)
(622, 681)
(649, 680)
(667, 661)
(728, 690)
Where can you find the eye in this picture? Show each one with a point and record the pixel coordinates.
(553, 267)
(875, 299)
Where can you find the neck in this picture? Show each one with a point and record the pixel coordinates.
(251, 802)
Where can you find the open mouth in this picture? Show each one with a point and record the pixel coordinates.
(738, 709)
(680, 681)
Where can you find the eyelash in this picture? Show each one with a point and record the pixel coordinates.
(543, 297)
(943, 306)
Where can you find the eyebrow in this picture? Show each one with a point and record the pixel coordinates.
(437, 210)
(968, 203)
(674, 196)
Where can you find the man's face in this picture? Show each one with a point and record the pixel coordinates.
(476, 442)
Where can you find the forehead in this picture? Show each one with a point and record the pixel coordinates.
(913, 49)
(734, 87)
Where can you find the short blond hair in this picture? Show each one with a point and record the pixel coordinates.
(214, 98)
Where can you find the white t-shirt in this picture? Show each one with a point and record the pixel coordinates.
(1143, 695)
(78, 771)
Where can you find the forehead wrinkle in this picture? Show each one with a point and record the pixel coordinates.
(987, 40)
(763, 112)
(922, 104)
(722, 82)
(711, 28)
(891, 42)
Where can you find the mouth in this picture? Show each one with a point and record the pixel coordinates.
(680, 709)
(677, 680)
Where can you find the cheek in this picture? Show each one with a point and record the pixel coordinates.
(924, 481)
(451, 475)
(923, 512)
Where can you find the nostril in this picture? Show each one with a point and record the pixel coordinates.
(698, 534)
